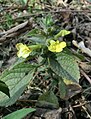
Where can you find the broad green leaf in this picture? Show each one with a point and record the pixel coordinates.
(48, 99)
(16, 79)
(19, 114)
(62, 89)
(62, 33)
(65, 66)
(38, 39)
(17, 61)
(4, 88)
(36, 36)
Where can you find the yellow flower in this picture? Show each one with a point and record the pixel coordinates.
(23, 50)
(56, 46)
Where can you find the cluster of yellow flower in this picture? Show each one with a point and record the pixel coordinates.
(24, 50)
(53, 46)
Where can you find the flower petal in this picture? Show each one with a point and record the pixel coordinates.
(56, 46)
(63, 44)
(23, 50)
(52, 42)
(19, 45)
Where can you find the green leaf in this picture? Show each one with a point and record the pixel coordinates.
(33, 32)
(38, 39)
(36, 36)
(48, 21)
(17, 61)
(16, 79)
(48, 99)
(62, 33)
(62, 89)
(65, 66)
(19, 114)
(4, 88)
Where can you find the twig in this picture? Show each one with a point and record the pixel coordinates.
(33, 101)
(84, 108)
(86, 76)
(79, 105)
(89, 88)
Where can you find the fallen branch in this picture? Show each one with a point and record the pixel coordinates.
(16, 31)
